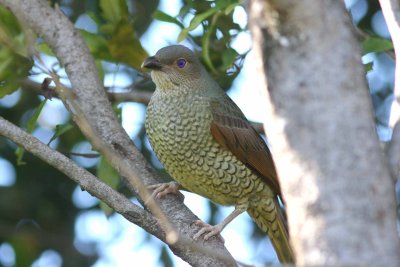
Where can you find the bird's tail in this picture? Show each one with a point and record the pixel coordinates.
(268, 216)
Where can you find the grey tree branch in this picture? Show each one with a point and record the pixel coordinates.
(74, 55)
(85, 179)
(133, 95)
(391, 12)
(339, 195)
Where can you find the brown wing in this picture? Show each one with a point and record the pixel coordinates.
(231, 129)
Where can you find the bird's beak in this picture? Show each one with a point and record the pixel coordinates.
(152, 63)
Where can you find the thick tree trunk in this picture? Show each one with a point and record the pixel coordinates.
(340, 198)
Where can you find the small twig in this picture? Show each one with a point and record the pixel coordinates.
(84, 155)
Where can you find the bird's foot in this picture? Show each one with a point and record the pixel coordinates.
(208, 231)
(163, 189)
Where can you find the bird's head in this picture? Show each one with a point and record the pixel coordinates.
(174, 66)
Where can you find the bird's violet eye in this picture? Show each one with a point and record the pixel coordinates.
(181, 63)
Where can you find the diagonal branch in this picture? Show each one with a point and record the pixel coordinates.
(85, 179)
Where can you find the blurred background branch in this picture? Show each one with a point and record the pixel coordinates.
(130, 94)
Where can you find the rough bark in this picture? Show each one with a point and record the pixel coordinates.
(339, 195)
(70, 49)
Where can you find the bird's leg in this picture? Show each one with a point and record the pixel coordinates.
(163, 189)
(211, 230)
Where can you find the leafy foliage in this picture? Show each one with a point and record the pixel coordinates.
(60, 130)
(14, 61)
(215, 18)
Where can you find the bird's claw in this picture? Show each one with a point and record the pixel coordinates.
(208, 231)
(163, 189)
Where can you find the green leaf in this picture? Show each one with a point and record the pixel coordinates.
(19, 153)
(201, 17)
(98, 45)
(13, 69)
(93, 16)
(375, 44)
(368, 66)
(159, 15)
(165, 257)
(206, 50)
(7, 88)
(228, 58)
(60, 129)
(45, 49)
(196, 21)
(32, 121)
(122, 46)
(230, 8)
(13, 36)
(14, 62)
(114, 10)
(107, 28)
(107, 173)
(125, 47)
(29, 128)
(185, 9)
(10, 22)
(182, 35)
